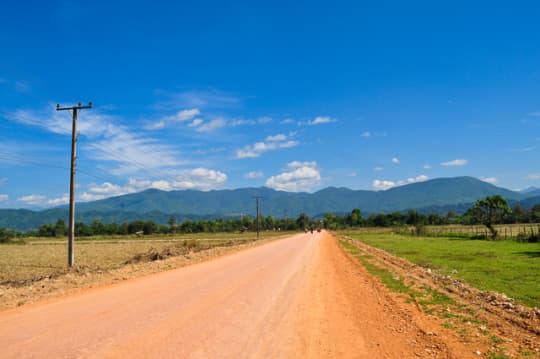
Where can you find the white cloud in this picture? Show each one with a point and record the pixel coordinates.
(427, 167)
(211, 98)
(209, 150)
(180, 116)
(298, 164)
(491, 180)
(254, 174)
(265, 119)
(523, 149)
(320, 120)
(107, 141)
(352, 174)
(395, 160)
(197, 178)
(196, 122)
(42, 200)
(87, 197)
(243, 122)
(533, 176)
(385, 184)
(64, 199)
(2, 181)
(303, 176)
(272, 143)
(368, 134)
(454, 163)
(535, 114)
(378, 169)
(287, 121)
(279, 137)
(33, 199)
(4, 197)
(421, 178)
(200, 178)
(211, 125)
(202, 125)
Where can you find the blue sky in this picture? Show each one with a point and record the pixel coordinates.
(297, 97)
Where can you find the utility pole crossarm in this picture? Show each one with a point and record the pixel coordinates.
(78, 107)
(71, 234)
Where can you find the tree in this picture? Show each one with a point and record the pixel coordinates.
(356, 217)
(434, 219)
(60, 228)
(302, 221)
(46, 230)
(519, 214)
(489, 211)
(413, 218)
(97, 227)
(269, 223)
(172, 224)
(6, 235)
(535, 213)
(329, 221)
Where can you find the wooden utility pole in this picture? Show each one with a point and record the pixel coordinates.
(257, 204)
(71, 234)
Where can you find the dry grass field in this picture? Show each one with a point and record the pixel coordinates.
(40, 258)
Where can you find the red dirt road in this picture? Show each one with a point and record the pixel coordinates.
(299, 297)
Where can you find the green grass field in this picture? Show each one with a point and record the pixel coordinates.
(503, 266)
(40, 257)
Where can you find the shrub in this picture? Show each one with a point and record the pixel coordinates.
(528, 238)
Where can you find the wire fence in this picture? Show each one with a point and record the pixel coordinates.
(504, 230)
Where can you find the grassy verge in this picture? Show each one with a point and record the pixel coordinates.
(454, 316)
(502, 266)
(424, 296)
(23, 263)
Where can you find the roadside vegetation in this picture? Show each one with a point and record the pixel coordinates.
(497, 338)
(488, 218)
(505, 266)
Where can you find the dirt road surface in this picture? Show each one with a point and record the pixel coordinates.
(299, 297)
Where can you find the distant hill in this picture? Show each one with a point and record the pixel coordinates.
(531, 189)
(437, 195)
(530, 202)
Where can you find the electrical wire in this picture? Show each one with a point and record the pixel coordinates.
(19, 159)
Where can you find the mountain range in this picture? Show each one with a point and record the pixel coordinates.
(438, 195)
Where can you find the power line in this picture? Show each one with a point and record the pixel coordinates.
(141, 166)
(151, 171)
(14, 158)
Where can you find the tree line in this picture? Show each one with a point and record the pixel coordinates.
(488, 211)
